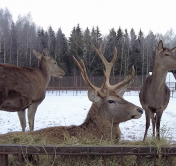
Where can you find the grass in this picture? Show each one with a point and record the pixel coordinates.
(116, 160)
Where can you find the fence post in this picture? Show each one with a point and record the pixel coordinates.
(3, 159)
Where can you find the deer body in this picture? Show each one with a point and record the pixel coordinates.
(22, 87)
(154, 94)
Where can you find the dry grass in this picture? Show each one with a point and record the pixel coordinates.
(46, 160)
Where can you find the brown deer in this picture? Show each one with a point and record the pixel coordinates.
(108, 110)
(23, 87)
(154, 94)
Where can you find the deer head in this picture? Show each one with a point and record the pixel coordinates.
(54, 69)
(106, 98)
(165, 57)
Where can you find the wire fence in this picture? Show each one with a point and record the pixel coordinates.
(77, 83)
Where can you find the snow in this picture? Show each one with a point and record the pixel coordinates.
(70, 108)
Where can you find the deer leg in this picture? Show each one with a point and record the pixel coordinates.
(147, 116)
(31, 114)
(153, 123)
(158, 119)
(22, 118)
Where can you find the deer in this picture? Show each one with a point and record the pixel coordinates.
(24, 88)
(107, 111)
(154, 94)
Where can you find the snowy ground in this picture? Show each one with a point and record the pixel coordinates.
(63, 109)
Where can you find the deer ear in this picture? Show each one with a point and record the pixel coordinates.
(174, 50)
(160, 46)
(38, 55)
(121, 91)
(93, 96)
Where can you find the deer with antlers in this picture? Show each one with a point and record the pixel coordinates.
(154, 94)
(108, 109)
(23, 87)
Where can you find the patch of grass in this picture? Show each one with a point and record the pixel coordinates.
(89, 139)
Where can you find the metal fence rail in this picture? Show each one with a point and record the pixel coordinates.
(87, 151)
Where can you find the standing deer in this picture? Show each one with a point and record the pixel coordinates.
(154, 94)
(108, 110)
(23, 87)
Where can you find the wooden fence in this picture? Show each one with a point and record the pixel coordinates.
(140, 153)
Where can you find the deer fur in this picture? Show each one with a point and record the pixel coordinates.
(23, 87)
(154, 94)
(108, 110)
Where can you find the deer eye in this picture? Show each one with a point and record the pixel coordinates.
(166, 54)
(110, 101)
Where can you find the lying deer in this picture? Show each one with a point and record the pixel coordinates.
(23, 87)
(108, 110)
(154, 94)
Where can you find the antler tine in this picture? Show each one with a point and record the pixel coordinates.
(85, 77)
(45, 52)
(124, 82)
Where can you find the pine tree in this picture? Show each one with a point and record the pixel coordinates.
(87, 49)
(51, 42)
(75, 45)
(95, 62)
(61, 51)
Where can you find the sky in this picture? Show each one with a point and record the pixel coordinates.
(55, 111)
(155, 15)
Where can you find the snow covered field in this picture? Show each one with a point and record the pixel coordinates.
(63, 109)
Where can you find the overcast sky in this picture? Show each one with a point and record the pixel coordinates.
(156, 15)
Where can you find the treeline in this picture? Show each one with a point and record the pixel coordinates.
(18, 39)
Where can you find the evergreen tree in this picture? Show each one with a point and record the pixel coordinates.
(134, 50)
(127, 58)
(141, 44)
(87, 50)
(150, 51)
(75, 45)
(110, 45)
(42, 40)
(95, 63)
(51, 42)
(62, 51)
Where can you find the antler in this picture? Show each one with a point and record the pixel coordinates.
(45, 52)
(86, 79)
(108, 68)
(107, 72)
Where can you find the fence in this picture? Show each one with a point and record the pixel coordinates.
(156, 156)
(77, 83)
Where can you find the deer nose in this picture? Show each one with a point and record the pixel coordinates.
(140, 110)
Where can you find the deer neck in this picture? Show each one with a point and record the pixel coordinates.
(158, 78)
(100, 126)
(44, 69)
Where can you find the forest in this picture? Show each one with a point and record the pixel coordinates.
(18, 39)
